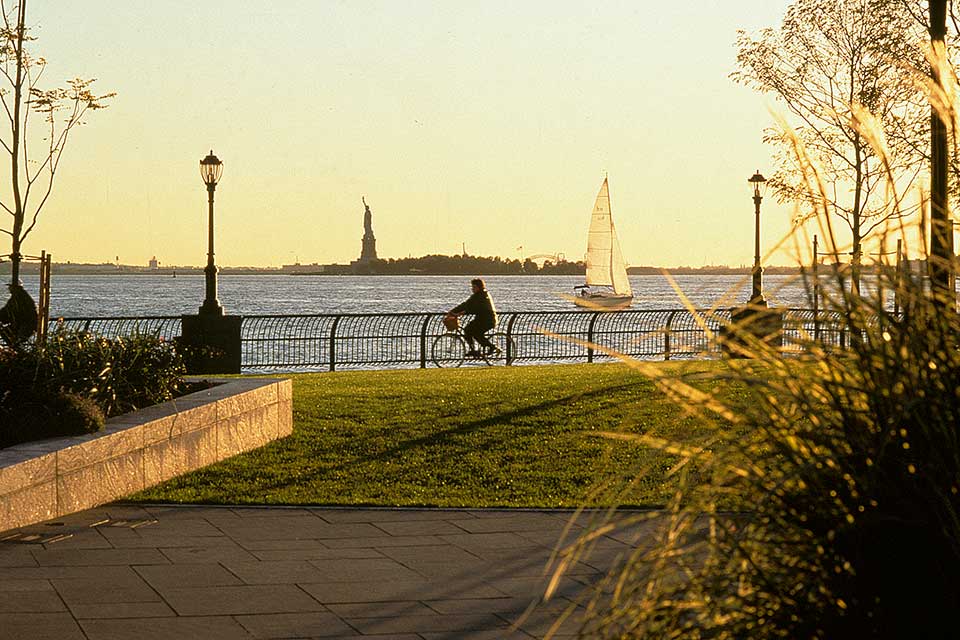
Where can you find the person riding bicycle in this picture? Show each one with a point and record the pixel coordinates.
(484, 318)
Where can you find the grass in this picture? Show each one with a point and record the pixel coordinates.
(518, 437)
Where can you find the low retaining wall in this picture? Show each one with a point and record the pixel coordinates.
(50, 478)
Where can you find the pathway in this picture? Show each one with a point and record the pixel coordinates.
(122, 571)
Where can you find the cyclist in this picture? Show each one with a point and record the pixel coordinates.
(484, 318)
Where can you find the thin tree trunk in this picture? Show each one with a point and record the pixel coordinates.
(856, 258)
(18, 212)
(941, 229)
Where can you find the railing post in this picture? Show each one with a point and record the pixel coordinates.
(593, 321)
(509, 355)
(666, 336)
(423, 342)
(43, 301)
(333, 343)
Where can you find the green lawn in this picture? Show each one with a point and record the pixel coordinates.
(493, 436)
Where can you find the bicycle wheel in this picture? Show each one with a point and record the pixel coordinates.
(503, 355)
(448, 350)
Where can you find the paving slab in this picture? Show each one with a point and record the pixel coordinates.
(179, 628)
(430, 623)
(30, 602)
(39, 626)
(243, 599)
(93, 589)
(312, 553)
(165, 571)
(121, 610)
(383, 609)
(187, 575)
(300, 625)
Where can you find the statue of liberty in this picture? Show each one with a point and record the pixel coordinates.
(368, 249)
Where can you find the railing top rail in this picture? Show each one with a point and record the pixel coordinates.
(146, 317)
(413, 314)
(501, 313)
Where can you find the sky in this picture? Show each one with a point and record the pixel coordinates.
(484, 125)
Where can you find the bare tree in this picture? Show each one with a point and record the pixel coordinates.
(829, 60)
(57, 112)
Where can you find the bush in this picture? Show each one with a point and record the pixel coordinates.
(32, 417)
(52, 388)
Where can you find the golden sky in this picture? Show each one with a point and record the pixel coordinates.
(489, 124)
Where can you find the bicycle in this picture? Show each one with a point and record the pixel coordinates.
(449, 349)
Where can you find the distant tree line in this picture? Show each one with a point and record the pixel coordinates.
(472, 265)
(482, 265)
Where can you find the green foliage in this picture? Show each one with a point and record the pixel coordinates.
(492, 436)
(120, 374)
(55, 383)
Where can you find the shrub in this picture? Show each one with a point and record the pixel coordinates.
(32, 417)
(52, 388)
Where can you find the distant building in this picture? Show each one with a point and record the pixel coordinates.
(302, 269)
(153, 264)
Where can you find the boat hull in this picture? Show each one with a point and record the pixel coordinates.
(604, 302)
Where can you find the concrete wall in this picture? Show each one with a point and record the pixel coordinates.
(50, 478)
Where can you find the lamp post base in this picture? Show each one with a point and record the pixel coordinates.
(748, 324)
(211, 306)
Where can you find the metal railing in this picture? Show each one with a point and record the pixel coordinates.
(397, 340)
(166, 327)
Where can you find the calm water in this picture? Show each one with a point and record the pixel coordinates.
(139, 295)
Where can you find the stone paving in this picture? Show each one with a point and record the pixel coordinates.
(157, 572)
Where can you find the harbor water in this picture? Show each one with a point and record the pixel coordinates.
(153, 295)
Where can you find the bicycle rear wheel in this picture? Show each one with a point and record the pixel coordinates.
(448, 350)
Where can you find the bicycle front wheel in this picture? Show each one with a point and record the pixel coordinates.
(448, 350)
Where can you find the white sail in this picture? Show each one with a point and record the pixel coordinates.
(605, 264)
(618, 268)
(598, 241)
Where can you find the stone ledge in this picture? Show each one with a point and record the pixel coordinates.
(51, 478)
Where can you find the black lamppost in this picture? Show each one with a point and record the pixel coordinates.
(759, 184)
(210, 170)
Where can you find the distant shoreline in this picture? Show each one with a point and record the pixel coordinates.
(113, 270)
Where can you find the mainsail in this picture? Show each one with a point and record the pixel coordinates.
(605, 264)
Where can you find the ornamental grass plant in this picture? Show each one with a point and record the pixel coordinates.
(837, 513)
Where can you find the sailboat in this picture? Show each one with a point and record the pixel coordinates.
(607, 286)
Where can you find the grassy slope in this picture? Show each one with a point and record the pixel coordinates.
(519, 436)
